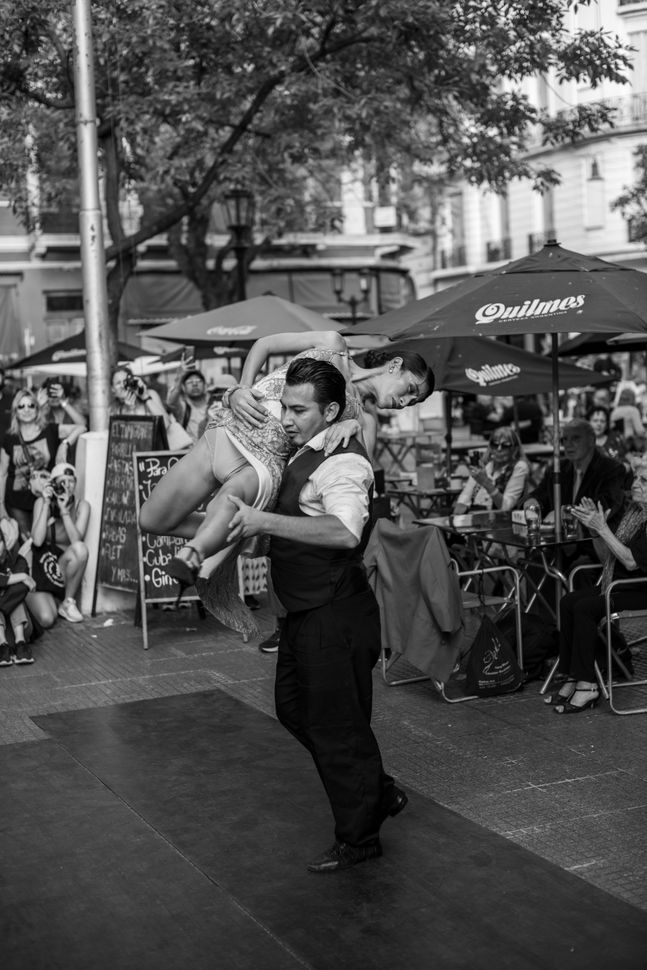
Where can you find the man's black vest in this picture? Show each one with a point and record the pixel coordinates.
(306, 576)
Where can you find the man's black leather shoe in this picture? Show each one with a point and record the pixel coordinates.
(343, 856)
(397, 802)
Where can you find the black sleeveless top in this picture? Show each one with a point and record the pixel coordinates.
(306, 576)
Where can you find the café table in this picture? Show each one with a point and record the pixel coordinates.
(539, 558)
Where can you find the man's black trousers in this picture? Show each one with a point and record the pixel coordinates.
(323, 693)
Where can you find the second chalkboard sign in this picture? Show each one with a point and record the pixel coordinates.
(154, 552)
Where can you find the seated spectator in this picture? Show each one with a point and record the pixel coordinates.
(623, 553)
(499, 479)
(15, 584)
(59, 553)
(626, 419)
(32, 443)
(187, 398)
(529, 419)
(607, 441)
(585, 471)
(57, 408)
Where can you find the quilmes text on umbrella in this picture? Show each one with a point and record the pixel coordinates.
(531, 308)
(492, 374)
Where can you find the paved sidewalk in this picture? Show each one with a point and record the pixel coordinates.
(571, 789)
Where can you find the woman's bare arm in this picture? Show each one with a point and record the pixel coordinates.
(287, 343)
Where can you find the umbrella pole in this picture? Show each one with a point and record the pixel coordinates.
(448, 433)
(557, 484)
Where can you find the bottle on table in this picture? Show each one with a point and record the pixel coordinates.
(532, 515)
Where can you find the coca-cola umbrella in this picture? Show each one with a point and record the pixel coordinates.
(551, 291)
(243, 322)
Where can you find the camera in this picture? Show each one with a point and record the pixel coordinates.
(132, 383)
(59, 488)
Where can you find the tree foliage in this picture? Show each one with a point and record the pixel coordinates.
(277, 94)
(632, 203)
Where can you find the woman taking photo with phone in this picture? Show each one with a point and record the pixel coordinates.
(498, 479)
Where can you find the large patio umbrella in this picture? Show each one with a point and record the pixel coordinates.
(551, 291)
(243, 322)
(57, 357)
(601, 343)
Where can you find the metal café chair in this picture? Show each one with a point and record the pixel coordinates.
(613, 619)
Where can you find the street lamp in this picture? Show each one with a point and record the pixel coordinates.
(239, 207)
(352, 301)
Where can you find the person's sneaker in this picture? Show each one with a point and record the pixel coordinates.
(23, 653)
(5, 655)
(271, 643)
(70, 611)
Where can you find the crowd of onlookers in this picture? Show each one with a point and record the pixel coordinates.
(43, 523)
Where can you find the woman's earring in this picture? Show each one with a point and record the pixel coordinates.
(391, 368)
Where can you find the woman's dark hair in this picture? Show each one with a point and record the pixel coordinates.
(411, 362)
(329, 384)
(594, 410)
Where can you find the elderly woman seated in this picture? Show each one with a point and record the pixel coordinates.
(498, 480)
(624, 555)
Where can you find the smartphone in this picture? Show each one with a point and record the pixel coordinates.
(188, 353)
(475, 457)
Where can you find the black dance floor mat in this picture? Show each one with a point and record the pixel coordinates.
(175, 833)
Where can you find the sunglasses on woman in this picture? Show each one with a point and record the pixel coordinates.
(26, 405)
(500, 444)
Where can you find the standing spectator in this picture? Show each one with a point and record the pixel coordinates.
(187, 398)
(58, 530)
(56, 407)
(529, 419)
(609, 442)
(626, 419)
(5, 406)
(132, 395)
(30, 444)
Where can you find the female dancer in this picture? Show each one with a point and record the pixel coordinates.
(244, 448)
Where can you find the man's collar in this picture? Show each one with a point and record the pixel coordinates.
(316, 443)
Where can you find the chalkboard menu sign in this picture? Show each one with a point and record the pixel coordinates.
(117, 564)
(154, 552)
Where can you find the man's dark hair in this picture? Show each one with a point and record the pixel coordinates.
(328, 383)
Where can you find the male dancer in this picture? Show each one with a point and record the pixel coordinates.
(330, 640)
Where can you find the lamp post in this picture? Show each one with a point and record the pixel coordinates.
(352, 301)
(239, 207)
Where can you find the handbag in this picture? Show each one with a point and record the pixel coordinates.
(492, 667)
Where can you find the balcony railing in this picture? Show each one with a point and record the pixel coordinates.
(452, 257)
(496, 250)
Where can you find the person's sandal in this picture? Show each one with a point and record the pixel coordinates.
(568, 707)
(568, 689)
(184, 569)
